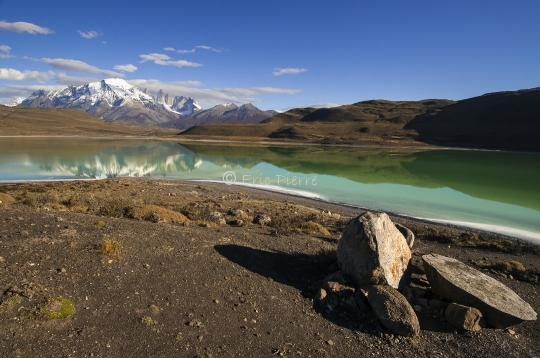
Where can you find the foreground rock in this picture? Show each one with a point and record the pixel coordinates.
(459, 283)
(393, 310)
(463, 317)
(407, 233)
(373, 251)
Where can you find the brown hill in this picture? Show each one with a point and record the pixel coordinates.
(504, 120)
(62, 121)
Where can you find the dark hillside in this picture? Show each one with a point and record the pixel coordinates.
(503, 120)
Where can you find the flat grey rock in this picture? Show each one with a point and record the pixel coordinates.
(462, 284)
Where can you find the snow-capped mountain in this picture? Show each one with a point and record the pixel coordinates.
(113, 99)
(15, 102)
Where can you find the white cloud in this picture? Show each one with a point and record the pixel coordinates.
(75, 66)
(288, 71)
(126, 68)
(11, 74)
(202, 47)
(88, 35)
(6, 49)
(210, 96)
(67, 80)
(165, 60)
(209, 48)
(21, 27)
(154, 57)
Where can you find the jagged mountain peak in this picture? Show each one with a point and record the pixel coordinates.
(115, 98)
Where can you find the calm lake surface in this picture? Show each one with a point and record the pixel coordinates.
(497, 191)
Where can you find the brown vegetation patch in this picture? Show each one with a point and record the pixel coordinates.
(110, 247)
(156, 213)
(6, 199)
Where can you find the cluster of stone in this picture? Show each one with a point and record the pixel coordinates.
(377, 273)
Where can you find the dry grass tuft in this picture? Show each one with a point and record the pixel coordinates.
(156, 213)
(148, 321)
(6, 199)
(110, 247)
(311, 228)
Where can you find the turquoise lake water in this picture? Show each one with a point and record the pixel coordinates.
(497, 191)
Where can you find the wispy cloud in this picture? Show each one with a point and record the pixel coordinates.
(211, 96)
(201, 47)
(75, 66)
(209, 48)
(165, 60)
(67, 80)
(288, 71)
(6, 49)
(88, 35)
(11, 74)
(126, 68)
(21, 27)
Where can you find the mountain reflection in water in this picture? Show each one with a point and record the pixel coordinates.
(495, 188)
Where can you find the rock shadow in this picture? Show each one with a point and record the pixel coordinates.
(303, 272)
(306, 273)
(297, 270)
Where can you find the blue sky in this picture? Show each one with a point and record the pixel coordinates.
(276, 54)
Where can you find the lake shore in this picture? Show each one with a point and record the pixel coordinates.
(177, 281)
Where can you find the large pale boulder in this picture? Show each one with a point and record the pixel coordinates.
(372, 251)
(462, 284)
(393, 310)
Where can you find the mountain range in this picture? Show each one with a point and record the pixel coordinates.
(507, 120)
(115, 99)
(223, 113)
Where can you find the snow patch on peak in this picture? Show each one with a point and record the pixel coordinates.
(15, 101)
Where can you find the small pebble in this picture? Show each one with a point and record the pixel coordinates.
(330, 342)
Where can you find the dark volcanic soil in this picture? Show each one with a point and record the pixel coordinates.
(175, 284)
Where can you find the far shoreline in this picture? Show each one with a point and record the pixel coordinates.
(418, 146)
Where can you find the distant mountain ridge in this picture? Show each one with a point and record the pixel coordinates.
(110, 99)
(501, 120)
(115, 99)
(223, 113)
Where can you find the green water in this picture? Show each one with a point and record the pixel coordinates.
(499, 191)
